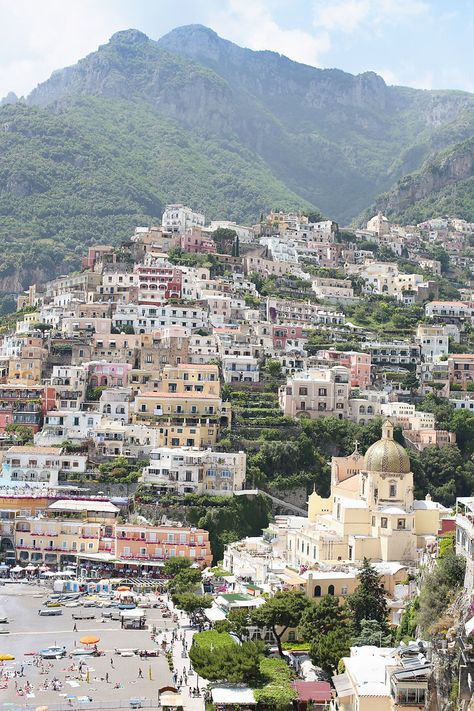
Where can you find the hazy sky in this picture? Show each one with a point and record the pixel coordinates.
(420, 43)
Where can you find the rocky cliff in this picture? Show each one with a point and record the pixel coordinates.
(442, 186)
(101, 146)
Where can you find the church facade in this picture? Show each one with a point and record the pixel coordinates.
(370, 513)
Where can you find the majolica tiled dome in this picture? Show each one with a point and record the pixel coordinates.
(386, 455)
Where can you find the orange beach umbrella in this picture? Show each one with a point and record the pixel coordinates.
(89, 639)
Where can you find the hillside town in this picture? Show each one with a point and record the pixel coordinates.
(284, 409)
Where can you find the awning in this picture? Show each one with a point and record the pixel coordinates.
(343, 685)
(170, 699)
(136, 613)
(229, 695)
(214, 614)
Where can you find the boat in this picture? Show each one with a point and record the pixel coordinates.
(53, 652)
(52, 603)
(124, 606)
(3, 620)
(86, 652)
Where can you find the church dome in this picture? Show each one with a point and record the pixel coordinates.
(386, 455)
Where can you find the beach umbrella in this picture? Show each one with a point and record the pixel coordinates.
(89, 639)
(123, 588)
(6, 657)
(17, 569)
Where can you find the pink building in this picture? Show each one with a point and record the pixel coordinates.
(103, 374)
(159, 283)
(158, 543)
(194, 241)
(94, 254)
(287, 336)
(359, 364)
(423, 438)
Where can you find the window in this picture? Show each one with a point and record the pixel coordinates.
(303, 391)
(331, 590)
(383, 522)
(317, 591)
(401, 524)
(322, 392)
(392, 489)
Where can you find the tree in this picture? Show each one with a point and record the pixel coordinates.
(368, 601)
(226, 660)
(192, 603)
(273, 368)
(410, 382)
(23, 433)
(186, 580)
(239, 620)
(372, 633)
(321, 618)
(280, 612)
(173, 566)
(328, 649)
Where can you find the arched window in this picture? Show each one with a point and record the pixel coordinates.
(331, 590)
(317, 591)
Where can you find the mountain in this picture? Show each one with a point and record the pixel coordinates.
(101, 146)
(444, 185)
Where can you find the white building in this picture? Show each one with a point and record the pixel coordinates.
(185, 470)
(240, 368)
(190, 316)
(202, 349)
(61, 425)
(246, 235)
(434, 342)
(114, 404)
(179, 218)
(39, 466)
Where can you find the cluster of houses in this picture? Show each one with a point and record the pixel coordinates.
(136, 355)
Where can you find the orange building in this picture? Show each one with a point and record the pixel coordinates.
(148, 544)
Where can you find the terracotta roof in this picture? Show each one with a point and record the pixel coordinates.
(318, 691)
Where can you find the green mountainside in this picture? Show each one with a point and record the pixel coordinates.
(443, 186)
(101, 146)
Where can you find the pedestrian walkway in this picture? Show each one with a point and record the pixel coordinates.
(183, 670)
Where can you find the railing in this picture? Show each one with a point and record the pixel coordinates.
(145, 703)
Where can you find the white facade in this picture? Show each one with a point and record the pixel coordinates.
(39, 466)
(61, 425)
(191, 470)
(179, 218)
(244, 369)
(434, 342)
(191, 317)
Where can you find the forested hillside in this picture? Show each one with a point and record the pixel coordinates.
(101, 146)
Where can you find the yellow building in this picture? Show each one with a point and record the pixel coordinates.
(27, 367)
(370, 513)
(72, 527)
(187, 407)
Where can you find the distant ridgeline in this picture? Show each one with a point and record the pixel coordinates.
(101, 146)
